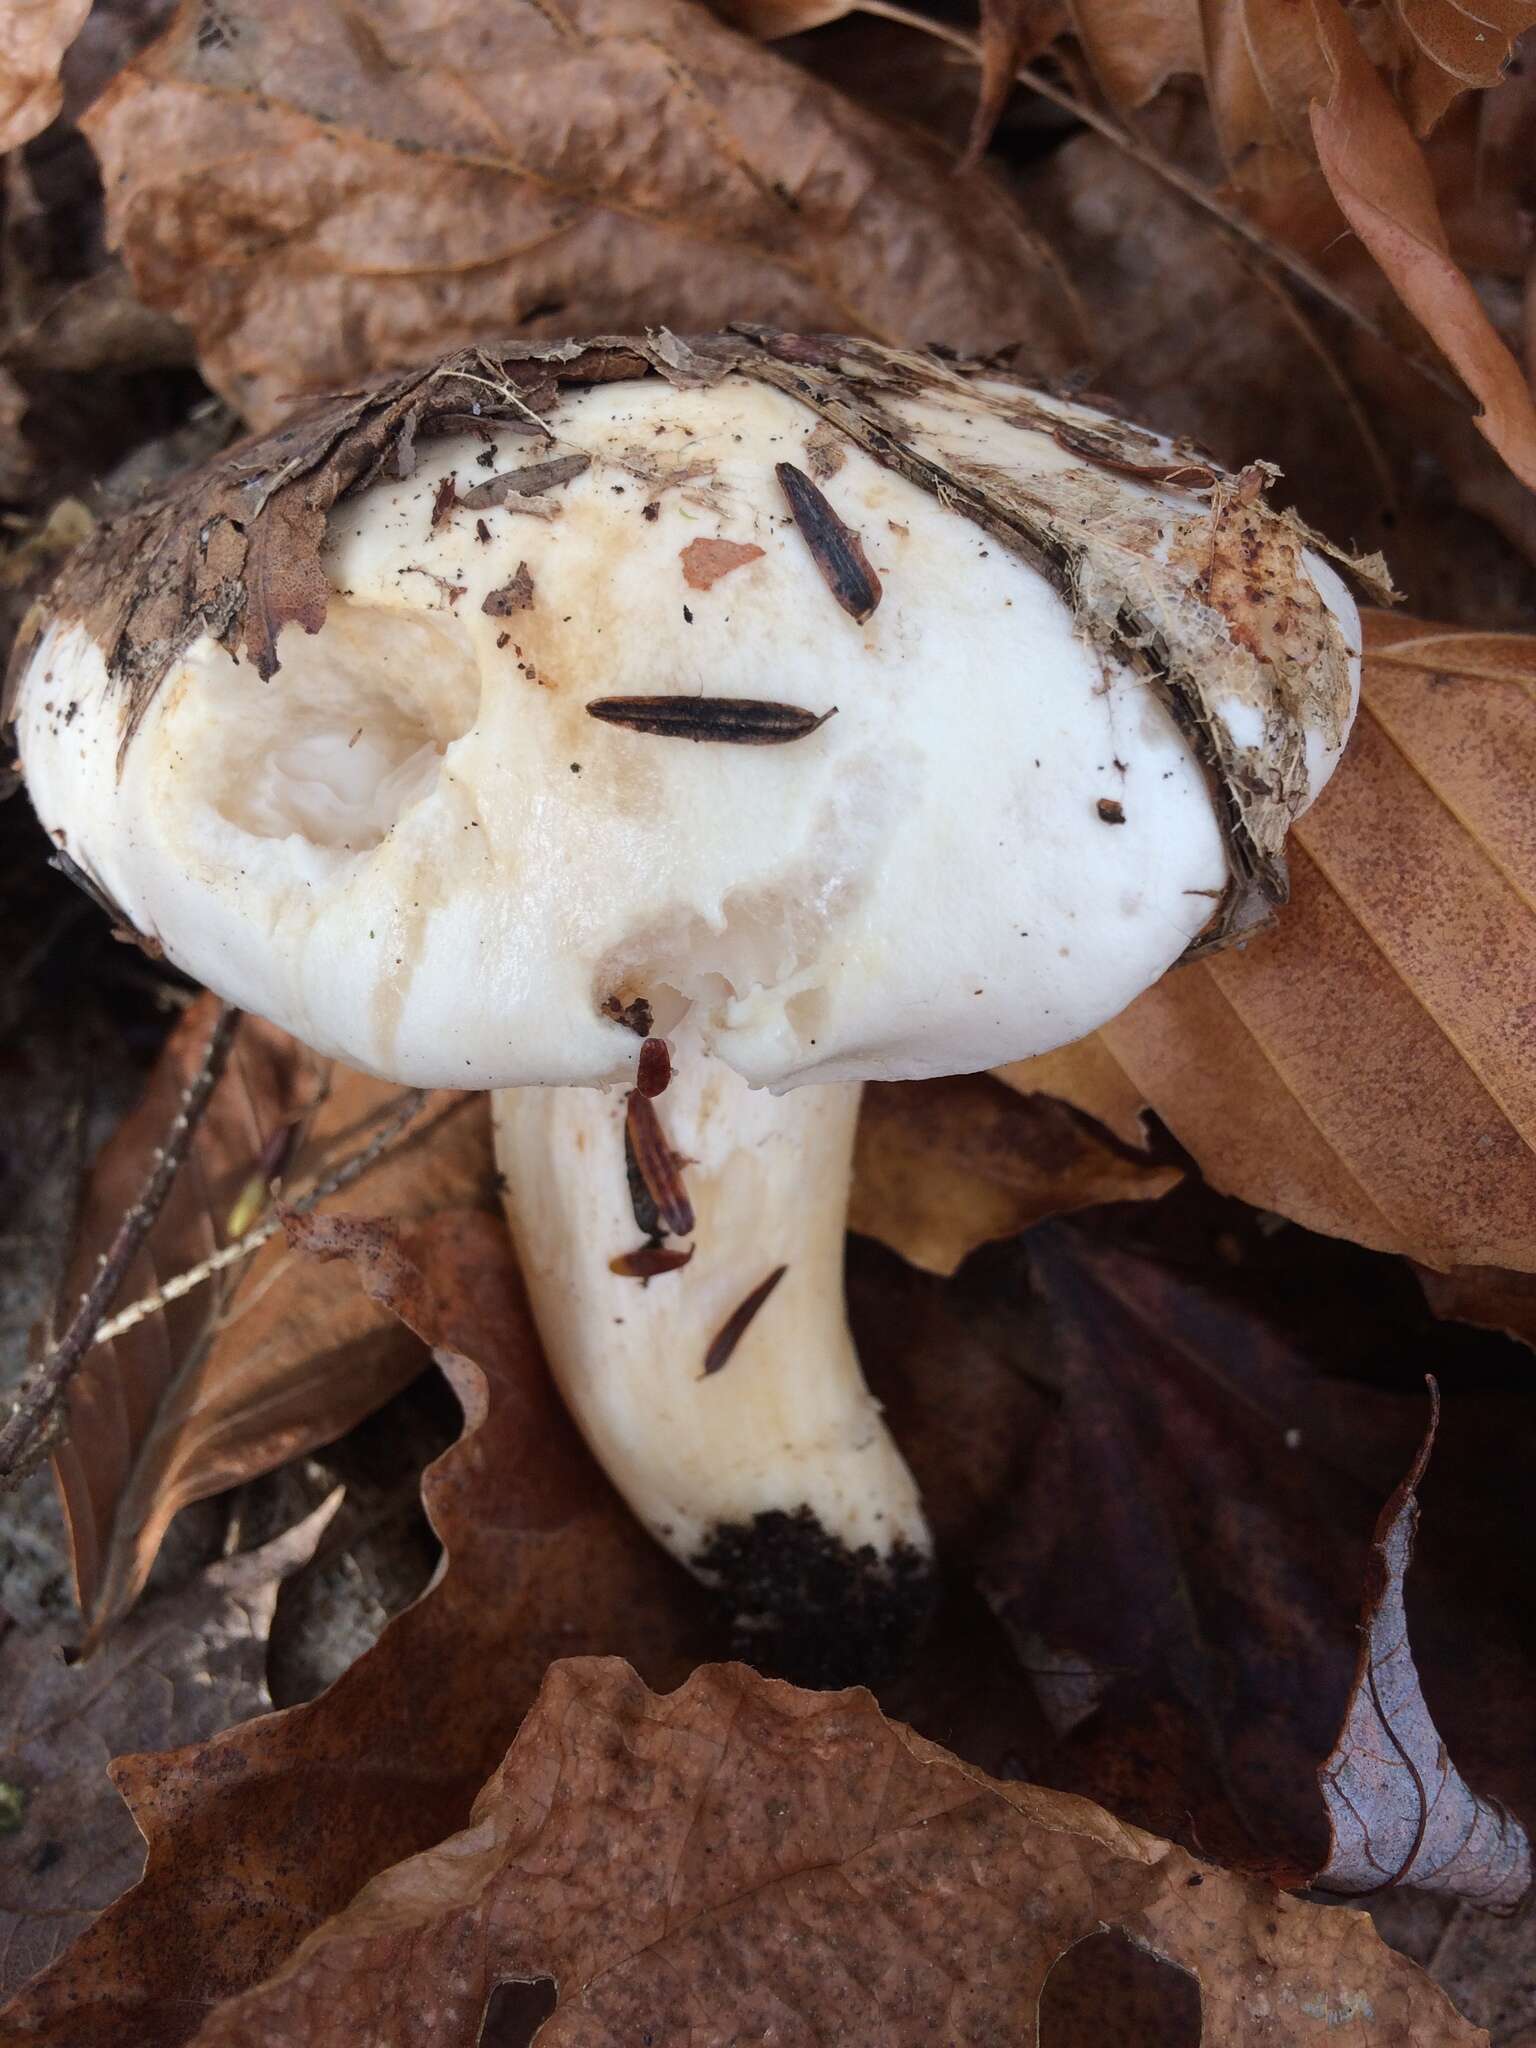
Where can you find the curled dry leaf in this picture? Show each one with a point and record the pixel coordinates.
(34, 34)
(1379, 177)
(616, 162)
(258, 1836)
(1368, 1068)
(941, 1167)
(1399, 1811)
(183, 1667)
(1177, 1578)
(1486, 1296)
(269, 1359)
(739, 1859)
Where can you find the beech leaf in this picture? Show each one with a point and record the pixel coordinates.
(1368, 1067)
(1398, 1809)
(184, 1666)
(267, 1360)
(740, 1860)
(423, 182)
(259, 1835)
(1378, 175)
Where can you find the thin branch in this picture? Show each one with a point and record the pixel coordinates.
(401, 1112)
(1188, 186)
(34, 1419)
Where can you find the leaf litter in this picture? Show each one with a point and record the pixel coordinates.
(967, 1367)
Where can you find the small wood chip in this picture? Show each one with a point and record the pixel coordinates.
(444, 498)
(706, 561)
(531, 481)
(655, 1068)
(634, 1015)
(835, 548)
(739, 721)
(645, 1145)
(516, 596)
(826, 450)
(1182, 474)
(734, 1328)
(649, 1260)
(1111, 810)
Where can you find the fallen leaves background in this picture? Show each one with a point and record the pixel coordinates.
(1155, 1439)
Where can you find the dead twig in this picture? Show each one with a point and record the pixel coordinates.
(401, 1112)
(34, 1419)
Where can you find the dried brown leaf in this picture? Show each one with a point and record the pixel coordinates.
(738, 1858)
(1399, 1811)
(276, 1356)
(258, 1836)
(34, 34)
(941, 1167)
(547, 171)
(1486, 1296)
(1179, 1563)
(1378, 175)
(1368, 1068)
(186, 1665)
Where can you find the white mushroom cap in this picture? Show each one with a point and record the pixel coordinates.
(415, 848)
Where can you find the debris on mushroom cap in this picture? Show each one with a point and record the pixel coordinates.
(1057, 617)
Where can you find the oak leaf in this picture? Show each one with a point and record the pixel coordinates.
(187, 1664)
(265, 1361)
(318, 195)
(1368, 1067)
(740, 1859)
(258, 1836)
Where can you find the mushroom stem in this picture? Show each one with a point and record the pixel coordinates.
(773, 1477)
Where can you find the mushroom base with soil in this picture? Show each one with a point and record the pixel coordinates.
(762, 1463)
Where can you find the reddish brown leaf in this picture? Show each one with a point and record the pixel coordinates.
(269, 1359)
(737, 1859)
(1399, 1811)
(1368, 1067)
(617, 162)
(1378, 175)
(656, 1164)
(185, 1665)
(941, 1167)
(706, 561)
(653, 1071)
(257, 1837)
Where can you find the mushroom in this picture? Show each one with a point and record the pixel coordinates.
(686, 723)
